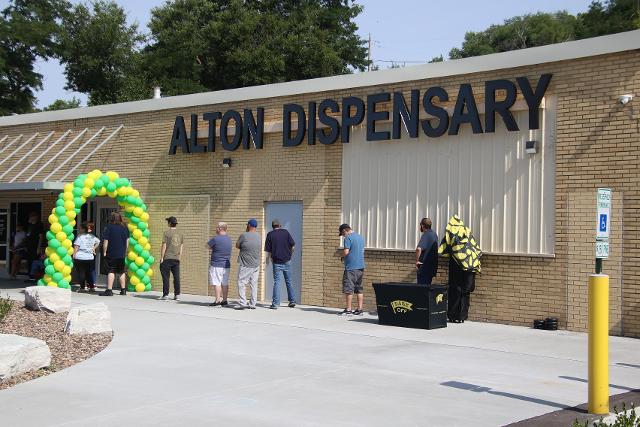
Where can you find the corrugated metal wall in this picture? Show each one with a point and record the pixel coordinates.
(505, 195)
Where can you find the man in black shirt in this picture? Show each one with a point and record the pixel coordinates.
(34, 238)
(280, 246)
(427, 253)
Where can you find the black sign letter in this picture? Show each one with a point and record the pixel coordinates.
(347, 119)
(438, 112)
(253, 130)
(179, 137)
(224, 130)
(534, 98)
(287, 141)
(502, 107)
(211, 136)
(373, 116)
(400, 113)
(465, 97)
(331, 122)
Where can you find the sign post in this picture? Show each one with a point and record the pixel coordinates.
(603, 224)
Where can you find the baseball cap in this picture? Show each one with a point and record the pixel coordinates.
(342, 228)
(172, 220)
(252, 223)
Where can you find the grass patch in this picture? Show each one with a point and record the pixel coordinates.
(5, 307)
(623, 419)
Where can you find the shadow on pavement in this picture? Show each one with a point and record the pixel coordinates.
(320, 310)
(582, 380)
(480, 389)
(629, 365)
(364, 320)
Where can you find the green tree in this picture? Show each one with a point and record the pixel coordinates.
(518, 33)
(62, 104)
(613, 16)
(199, 45)
(28, 31)
(100, 52)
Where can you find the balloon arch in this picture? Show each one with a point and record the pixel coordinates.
(62, 220)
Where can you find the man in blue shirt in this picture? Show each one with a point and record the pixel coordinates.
(280, 246)
(427, 253)
(353, 254)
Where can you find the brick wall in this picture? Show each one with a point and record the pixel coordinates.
(597, 142)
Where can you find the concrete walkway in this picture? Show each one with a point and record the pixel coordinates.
(187, 364)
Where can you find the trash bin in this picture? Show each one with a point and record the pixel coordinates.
(411, 305)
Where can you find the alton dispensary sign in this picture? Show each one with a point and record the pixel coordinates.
(238, 129)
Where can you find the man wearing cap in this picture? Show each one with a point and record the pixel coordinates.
(172, 244)
(427, 253)
(280, 246)
(220, 246)
(249, 264)
(353, 253)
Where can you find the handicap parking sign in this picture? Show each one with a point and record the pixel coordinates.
(603, 223)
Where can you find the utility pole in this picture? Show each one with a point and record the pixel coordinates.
(369, 62)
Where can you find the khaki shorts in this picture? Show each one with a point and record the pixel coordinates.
(352, 281)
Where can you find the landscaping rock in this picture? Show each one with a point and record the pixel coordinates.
(47, 298)
(21, 354)
(88, 319)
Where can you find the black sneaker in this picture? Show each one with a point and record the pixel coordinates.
(345, 312)
(273, 307)
(252, 307)
(292, 304)
(106, 293)
(358, 312)
(123, 291)
(215, 304)
(224, 303)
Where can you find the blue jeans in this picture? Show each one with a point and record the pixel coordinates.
(286, 272)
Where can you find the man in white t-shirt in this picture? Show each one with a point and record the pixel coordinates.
(84, 254)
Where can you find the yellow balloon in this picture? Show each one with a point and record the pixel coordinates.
(47, 251)
(129, 208)
(135, 193)
(53, 219)
(147, 247)
(61, 235)
(112, 194)
(132, 255)
(113, 175)
(86, 192)
(47, 278)
(70, 252)
(69, 205)
(71, 214)
(89, 183)
(102, 191)
(140, 287)
(67, 244)
(122, 191)
(68, 188)
(56, 228)
(67, 195)
(144, 217)
(97, 173)
(138, 211)
(137, 234)
(139, 261)
(59, 265)
(66, 270)
(135, 280)
(143, 241)
(150, 272)
(131, 227)
(54, 257)
(52, 284)
(72, 223)
(127, 191)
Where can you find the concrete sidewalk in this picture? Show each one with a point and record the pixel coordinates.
(185, 363)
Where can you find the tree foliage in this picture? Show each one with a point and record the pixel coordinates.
(100, 51)
(540, 29)
(62, 104)
(28, 31)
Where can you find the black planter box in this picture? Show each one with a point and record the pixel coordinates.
(411, 305)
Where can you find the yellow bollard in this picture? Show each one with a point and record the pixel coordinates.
(599, 344)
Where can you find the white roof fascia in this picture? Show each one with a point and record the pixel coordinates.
(17, 186)
(603, 45)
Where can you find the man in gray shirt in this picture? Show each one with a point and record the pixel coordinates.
(250, 246)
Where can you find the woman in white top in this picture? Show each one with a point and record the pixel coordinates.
(18, 249)
(84, 254)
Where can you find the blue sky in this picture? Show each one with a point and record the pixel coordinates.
(401, 30)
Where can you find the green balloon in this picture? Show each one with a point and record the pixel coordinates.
(137, 248)
(47, 262)
(77, 201)
(111, 187)
(143, 206)
(140, 273)
(68, 260)
(145, 254)
(60, 211)
(78, 183)
(62, 251)
(121, 199)
(131, 288)
(54, 243)
(57, 276)
(145, 267)
(63, 284)
(119, 182)
(41, 282)
(146, 233)
(105, 179)
(132, 266)
(150, 260)
(146, 280)
(93, 192)
(77, 210)
(142, 225)
(60, 202)
(50, 270)
(147, 287)
(50, 235)
(135, 219)
(98, 184)
(132, 241)
(68, 229)
(125, 182)
(64, 220)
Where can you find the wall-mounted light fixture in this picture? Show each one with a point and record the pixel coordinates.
(226, 163)
(625, 99)
(531, 147)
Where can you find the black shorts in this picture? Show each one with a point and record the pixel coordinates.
(352, 281)
(115, 265)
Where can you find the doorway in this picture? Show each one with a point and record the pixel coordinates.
(290, 216)
(102, 208)
(19, 214)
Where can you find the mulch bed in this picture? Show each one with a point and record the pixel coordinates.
(66, 350)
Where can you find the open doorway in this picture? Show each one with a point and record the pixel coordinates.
(102, 208)
(19, 214)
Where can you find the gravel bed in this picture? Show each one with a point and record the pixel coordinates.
(66, 350)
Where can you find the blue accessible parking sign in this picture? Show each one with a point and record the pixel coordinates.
(603, 223)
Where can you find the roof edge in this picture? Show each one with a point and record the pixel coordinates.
(603, 45)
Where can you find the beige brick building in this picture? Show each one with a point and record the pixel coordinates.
(534, 213)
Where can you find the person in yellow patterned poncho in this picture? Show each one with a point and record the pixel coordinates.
(463, 251)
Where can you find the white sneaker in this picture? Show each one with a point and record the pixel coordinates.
(176, 298)
(163, 298)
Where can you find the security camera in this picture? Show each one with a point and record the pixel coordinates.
(625, 99)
